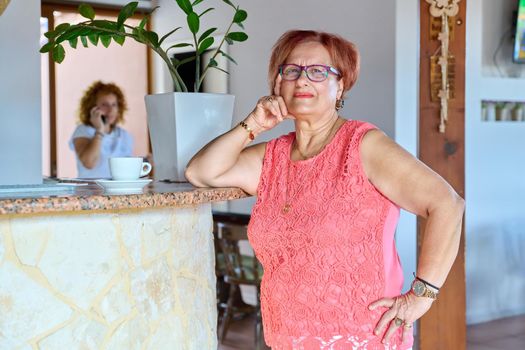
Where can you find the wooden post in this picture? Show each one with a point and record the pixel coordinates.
(444, 326)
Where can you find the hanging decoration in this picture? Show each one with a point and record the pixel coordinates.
(443, 9)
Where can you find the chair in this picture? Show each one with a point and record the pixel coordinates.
(237, 270)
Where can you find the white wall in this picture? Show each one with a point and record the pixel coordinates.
(20, 137)
(495, 168)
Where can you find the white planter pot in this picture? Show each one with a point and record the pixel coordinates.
(181, 123)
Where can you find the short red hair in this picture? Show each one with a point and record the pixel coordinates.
(344, 54)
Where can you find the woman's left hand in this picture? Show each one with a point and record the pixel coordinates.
(404, 311)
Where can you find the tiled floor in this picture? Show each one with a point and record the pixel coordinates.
(504, 334)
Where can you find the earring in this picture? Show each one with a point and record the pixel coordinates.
(339, 103)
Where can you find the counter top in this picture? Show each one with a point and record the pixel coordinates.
(92, 197)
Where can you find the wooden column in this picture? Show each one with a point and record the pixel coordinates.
(444, 326)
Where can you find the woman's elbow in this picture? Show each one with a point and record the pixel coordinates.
(191, 176)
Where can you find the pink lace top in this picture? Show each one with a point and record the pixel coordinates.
(331, 255)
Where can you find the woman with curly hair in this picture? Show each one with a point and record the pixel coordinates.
(99, 137)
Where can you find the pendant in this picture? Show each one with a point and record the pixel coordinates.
(287, 207)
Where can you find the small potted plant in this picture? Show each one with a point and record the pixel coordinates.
(172, 116)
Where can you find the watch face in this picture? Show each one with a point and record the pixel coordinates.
(419, 288)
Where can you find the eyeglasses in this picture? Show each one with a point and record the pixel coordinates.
(314, 72)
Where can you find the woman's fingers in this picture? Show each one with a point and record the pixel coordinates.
(394, 325)
(384, 320)
(384, 302)
(282, 106)
(407, 331)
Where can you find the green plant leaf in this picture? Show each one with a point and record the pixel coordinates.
(126, 12)
(229, 3)
(143, 22)
(50, 34)
(193, 22)
(240, 16)
(213, 63)
(222, 70)
(240, 25)
(196, 2)
(168, 34)
(139, 35)
(105, 39)
(237, 36)
(73, 42)
(205, 44)
(206, 34)
(228, 40)
(206, 11)
(184, 61)
(152, 37)
(84, 41)
(104, 24)
(179, 45)
(227, 56)
(86, 11)
(62, 27)
(46, 47)
(119, 39)
(185, 6)
(93, 38)
(58, 54)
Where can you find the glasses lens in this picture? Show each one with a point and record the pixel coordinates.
(317, 73)
(290, 72)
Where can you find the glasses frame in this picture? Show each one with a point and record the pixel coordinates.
(329, 69)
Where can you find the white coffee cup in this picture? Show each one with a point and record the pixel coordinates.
(128, 168)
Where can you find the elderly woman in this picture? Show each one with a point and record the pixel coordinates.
(328, 199)
(99, 137)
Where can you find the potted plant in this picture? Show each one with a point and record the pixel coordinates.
(179, 122)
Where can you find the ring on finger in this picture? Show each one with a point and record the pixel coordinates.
(398, 322)
(407, 325)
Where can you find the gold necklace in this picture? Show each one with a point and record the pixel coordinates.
(287, 207)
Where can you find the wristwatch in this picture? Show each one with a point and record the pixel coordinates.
(420, 289)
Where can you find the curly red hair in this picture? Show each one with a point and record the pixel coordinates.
(89, 100)
(343, 53)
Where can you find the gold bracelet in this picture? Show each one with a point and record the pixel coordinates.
(248, 129)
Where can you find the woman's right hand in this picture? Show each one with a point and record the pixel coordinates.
(270, 110)
(95, 118)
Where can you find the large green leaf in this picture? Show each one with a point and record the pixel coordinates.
(105, 39)
(58, 54)
(240, 16)
(104, 24)
(186, 6)
(168, 34)
(237, 36)
(119, 39)
(139, 34)
(93, 38)
(86, 11)
(84, 41)
(73, 42)
(152, 37)
(143, 22)
(62, 27)
(46, 47)
(193, 22)
(126, 12)
(205, 44)
(206, 34)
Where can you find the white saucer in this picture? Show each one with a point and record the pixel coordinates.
(123, 186)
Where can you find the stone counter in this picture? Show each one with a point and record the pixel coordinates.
(88, 270)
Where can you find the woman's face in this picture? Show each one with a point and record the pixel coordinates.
(306, 97)
(108, 105)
